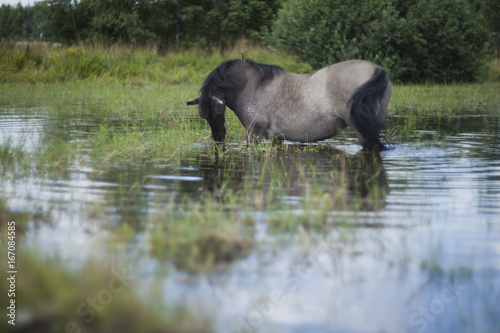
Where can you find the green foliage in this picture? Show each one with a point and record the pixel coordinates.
(64, 20)
(213, 24)
(417, 40)
(119, 19)
(448, 44)
(490, 10)
(21, 23)
(325, 32)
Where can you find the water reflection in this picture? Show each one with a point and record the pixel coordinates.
(292, 172)
(284, 178)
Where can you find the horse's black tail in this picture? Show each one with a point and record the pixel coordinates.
(366, 109)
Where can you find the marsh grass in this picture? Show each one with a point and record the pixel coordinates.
(444, 99)
(12, 157)
(43, 62)
(55, 155)
(52, 298)
(201, 236)
(123, 125)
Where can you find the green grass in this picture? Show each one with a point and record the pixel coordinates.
(11, 156)
(444, 98)
(42, 62)
(201, 235)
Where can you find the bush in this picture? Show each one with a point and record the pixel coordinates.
(415, 40)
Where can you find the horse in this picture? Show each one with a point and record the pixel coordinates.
(272, 103)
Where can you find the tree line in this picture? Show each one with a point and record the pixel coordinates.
(167, 23)
(417, 40)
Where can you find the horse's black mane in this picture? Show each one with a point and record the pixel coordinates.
(266, 71)
(222, 81)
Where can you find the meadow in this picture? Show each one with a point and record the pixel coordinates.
(103, 166)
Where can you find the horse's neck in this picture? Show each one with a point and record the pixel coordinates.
(242, 96)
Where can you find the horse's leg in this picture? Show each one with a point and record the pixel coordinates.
(338, 126)
(362, 141)
(255, 133)
(278, 140)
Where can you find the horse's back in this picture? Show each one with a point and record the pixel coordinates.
(345, 77)
(306, 107)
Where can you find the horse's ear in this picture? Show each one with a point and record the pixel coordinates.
(219, 105)
(193, 101)
(217, 100)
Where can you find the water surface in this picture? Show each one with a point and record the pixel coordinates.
(410, 244)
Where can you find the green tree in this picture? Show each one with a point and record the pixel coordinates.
(19, 23)
(324, 32)
(247, 18)
(416, 40)
(490, 9)
(204, 23)
(8, 28)
(66, 20)
(219, 23)
(161, 20)
(120, 20)
(448, 42)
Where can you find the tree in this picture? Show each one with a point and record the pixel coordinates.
(120, 20)
(66, 20)
(23, 23)
(490, 9)
(415, 40)
(449, 43)
(247, 18)
(8, 28)
(204, 23)
(161, 20)
(219, 23)
(322, 32)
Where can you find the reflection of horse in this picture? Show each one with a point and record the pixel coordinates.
(296, 173)
(275, 104)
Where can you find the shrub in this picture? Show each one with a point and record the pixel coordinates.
(415, 40)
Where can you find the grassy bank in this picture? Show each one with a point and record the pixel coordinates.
(42, 62)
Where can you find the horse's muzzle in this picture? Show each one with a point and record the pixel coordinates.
(219, 136)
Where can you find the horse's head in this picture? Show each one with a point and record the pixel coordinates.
(220, 87)
(224, 86)
(212, 109)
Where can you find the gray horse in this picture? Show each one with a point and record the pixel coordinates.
(273, 103)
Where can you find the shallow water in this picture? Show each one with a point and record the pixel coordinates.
(412, 246)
